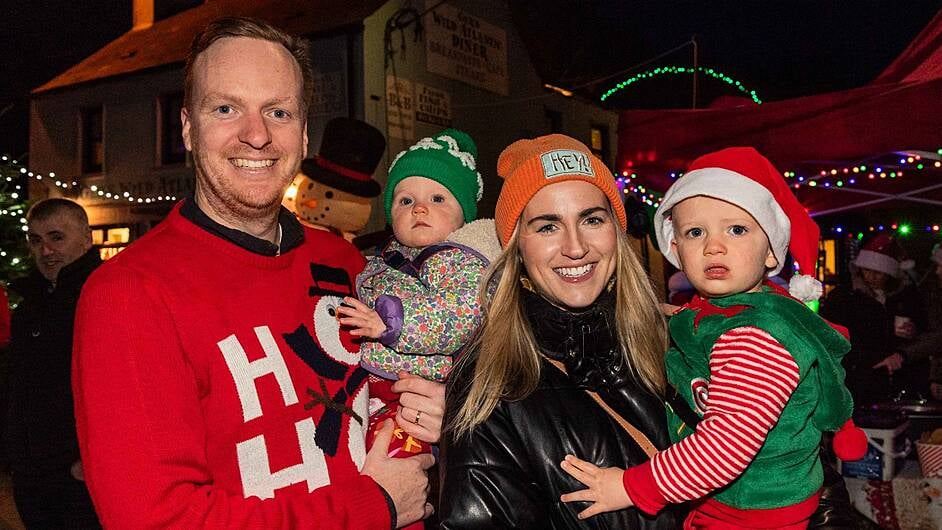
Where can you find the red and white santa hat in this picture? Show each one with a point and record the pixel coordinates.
(883, 254)
(742, 176)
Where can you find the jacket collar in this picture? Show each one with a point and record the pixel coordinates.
(292, 233)
(79, 269)
(584, 341)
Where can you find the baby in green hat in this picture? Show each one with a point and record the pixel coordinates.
(418, 299)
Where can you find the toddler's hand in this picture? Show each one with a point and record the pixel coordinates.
(364, 321)
(605, 491)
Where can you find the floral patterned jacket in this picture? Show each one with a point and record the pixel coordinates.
(428, 299)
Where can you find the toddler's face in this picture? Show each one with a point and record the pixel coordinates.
(721, 248)
(424, 212)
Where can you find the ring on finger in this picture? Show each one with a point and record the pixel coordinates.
(418, 416)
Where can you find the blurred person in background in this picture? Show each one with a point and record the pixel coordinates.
(883, 314)
(41, 447)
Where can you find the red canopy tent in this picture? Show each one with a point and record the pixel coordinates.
(898, 113)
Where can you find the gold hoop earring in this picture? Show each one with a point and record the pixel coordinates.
(525, 283)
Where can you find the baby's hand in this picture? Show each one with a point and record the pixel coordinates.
(364, 321)
(606, 491)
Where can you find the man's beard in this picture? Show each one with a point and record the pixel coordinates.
(239, 202)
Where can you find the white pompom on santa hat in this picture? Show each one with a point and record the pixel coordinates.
(742, 176)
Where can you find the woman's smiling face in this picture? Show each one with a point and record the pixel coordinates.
(567, 242)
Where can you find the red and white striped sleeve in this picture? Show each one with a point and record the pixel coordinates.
(752, 377)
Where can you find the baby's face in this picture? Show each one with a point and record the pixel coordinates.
(721, 248)
(424, 212)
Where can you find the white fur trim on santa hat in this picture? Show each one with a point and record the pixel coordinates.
(732, 187)
(875, 261)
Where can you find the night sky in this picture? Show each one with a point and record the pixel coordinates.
(38, 41)
(781, 49)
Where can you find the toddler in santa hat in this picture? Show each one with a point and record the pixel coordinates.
(756, 375)
(418, 301)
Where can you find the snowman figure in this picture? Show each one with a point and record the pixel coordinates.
(334, 190)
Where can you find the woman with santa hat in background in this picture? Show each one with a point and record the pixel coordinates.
(882, 312)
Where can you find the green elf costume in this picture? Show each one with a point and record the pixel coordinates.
(758, 375)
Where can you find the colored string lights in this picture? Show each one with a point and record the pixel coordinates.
(649, 197)
(901, 228)
(678, 70)
(850, 175)
(837, 177)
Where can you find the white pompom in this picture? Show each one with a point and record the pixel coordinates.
(805, 288)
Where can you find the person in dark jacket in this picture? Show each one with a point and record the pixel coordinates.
(40, 440)
(572, 310)
(882, 313)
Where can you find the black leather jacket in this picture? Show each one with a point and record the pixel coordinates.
(506, 474)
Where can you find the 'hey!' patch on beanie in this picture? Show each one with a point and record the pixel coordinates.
(566, 162)
(447, 158)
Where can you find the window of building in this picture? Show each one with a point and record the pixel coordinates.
(827, 270)
(93, 140)
(598, 142)
(170, 129)
(111, 239)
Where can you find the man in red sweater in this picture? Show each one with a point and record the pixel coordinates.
(213, 385)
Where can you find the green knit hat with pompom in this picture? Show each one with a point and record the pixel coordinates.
(447, 158)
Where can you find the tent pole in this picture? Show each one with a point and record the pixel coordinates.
(903, 196)
(696, 64)
(890, 195)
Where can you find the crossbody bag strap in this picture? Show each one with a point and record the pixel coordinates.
(632, 431)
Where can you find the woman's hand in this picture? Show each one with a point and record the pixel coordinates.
(891, 362)
(364, 321)
(421, 406)
(605, 491)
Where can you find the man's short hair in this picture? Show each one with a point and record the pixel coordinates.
(254, 28)
(47, 208)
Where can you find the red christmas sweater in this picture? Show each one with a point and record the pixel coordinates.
(214, 388)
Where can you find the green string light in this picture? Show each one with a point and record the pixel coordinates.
(675, 70)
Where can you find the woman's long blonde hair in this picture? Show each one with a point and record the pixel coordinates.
(508, 359)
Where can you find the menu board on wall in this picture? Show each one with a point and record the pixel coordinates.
(400, 108)
(432, 105)
(466, 48)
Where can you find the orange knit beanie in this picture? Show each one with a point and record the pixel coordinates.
(529, 165)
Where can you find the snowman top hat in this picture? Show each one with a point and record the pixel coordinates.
(350, 152)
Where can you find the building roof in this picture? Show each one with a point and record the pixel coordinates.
(167, 41)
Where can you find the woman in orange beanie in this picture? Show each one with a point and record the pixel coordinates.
(569, 310)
